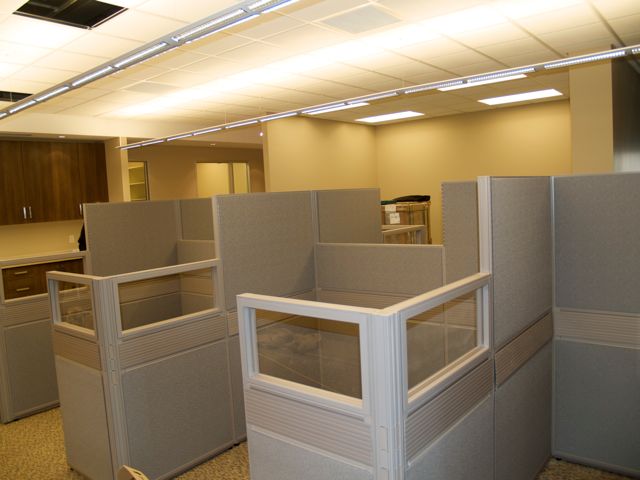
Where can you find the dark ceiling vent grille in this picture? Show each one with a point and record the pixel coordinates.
(12, 96)
(76, 13)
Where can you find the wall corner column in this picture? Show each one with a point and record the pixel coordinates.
(117, 170)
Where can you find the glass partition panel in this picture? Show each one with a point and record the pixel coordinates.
(440, 336)
(315, 352)
(144, 302)
(75, 305)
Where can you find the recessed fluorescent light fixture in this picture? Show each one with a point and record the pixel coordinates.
(92, 75)
(371, 98)
(140, 54)
(241, 124)
(390, 116)
(52, 93)
(211, 23)
(585, 59)
(334, 108)
(279, 115)
(176, 137)
(208, 130)
(22, 106)
(521, 97)
(432, 86)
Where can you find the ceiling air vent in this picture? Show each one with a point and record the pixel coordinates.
(76, 13)
(12, 96)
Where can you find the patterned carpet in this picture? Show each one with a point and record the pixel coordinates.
(33, 449)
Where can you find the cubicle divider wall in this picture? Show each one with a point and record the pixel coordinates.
(597, 321)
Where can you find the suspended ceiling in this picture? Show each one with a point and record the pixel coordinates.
(308, 53)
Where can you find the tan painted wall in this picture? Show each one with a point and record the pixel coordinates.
(416, 157)
(172, 169)
(38, 238)
(591, 118)
(308, 154)
(117, 172)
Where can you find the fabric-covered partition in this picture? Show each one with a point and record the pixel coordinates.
(131, 236)
(266, 242)
(597, 321)
(521, 251)
(349, 216)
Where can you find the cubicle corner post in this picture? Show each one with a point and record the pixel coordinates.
(485, 243)
(246, 326)
(389, 402)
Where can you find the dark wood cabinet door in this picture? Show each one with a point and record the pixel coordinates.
(12, 194)
(92, 170)
(51, 180)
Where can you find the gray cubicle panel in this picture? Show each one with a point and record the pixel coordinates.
(460, 229)
(522, 328)
(131, 236)
(266, 243)
(349, 216)
(597, 321)
(196, 215)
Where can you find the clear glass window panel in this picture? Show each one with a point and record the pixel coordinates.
(315, 352)
(440, 336)
(145, 302)
(75, 305)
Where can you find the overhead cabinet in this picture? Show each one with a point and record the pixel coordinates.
(49, 181)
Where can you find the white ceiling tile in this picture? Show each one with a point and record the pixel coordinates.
(151, 88)
(216, 44)
(407, 69)
(589, 46)
(455, 60)
(93, 108)
(631, 38)
(267, 25)
(127, 3)
(336, 72)
(38, 33)
(509, 49)
(142, 71)
(382, 60)
(11, 52)
(25, 86)
(506, 32)
(532, 58)
(321, 9)
(362, 19)
(560, 19)
(618, 8)
(181, 79)
(101, 45)
(73, 62)
(86, 93)
(52, 75)
(568, 41)
(255, 54)
(306, 39)
(629, 25)
(140, 26)
(434, 48)
(190, 11)
(421, 9)
(432, 76)
(7, 69)
(477, 68)
(216, 67)
(10, 6)
(124, 97)
(175, 59)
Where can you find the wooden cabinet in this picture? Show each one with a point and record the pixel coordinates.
(49, 181)
(25, 280)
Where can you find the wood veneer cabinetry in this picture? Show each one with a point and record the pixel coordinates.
(49, 181)
(27, 280)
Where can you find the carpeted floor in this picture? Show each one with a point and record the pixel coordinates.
(33, 449)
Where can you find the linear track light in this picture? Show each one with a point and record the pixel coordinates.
(3, 114)
(22, 106)
(211, 23)
(585, 59)
(477, 83)
(92, 76)
(635, 51)
(176, 137)
(432, 86)
(141, 54)
(52, 93)
(130, 147)
(277, 116)
(241, 124)
(371, 98)
(152, 142)
(280, 5)
(334, 108)
(208, 130)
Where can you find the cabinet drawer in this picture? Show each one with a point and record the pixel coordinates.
(26, 280)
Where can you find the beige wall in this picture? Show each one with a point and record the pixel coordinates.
(172, 169)
(117, 172)
(416, 157)
(39, 238)
(591, 118)
(308, 153)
